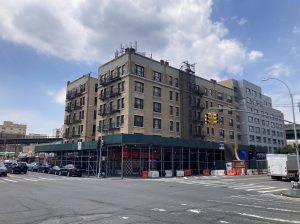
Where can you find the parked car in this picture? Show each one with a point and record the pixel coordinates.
(34, 167)
(8, 165)
(54, 170)
(3, 169)
(44, 168)
(19, 167)
(70, 170)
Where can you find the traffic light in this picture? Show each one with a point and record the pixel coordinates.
(207, 118)
(214, 118)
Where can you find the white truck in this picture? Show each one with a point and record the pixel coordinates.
(282, 166)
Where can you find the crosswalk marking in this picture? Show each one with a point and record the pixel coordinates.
(10, 180)
(282, 189)
(259, 188)
(224, 183)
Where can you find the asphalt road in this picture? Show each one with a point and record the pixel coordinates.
(48, 199)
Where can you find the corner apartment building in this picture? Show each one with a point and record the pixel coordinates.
(80, 109)
(141, 95)
(262, 125)
(11, 130)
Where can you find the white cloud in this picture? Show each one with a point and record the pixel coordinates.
(254, 55)
(296, 29)
(58, 96)
(242, 21)
(277, 70)
(90, 31)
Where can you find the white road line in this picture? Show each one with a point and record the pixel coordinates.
(260, 188)
(159, 209)
(10, 180)
(282, 189)
(243, 185)
(222, 221)
(246, 187)
(269, 208)
(2, 181)
(268, 218)
(194, 211)
(30, 179)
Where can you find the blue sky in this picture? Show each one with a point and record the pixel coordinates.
(43, 44)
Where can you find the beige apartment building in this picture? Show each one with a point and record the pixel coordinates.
(141, 95)
(80, 109)
(11, 130)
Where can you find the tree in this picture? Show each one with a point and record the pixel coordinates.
(286, 150)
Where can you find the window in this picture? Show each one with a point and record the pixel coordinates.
(220, 96)
(95, 101)
(256, 121)
(230, 110)
(257, 130)
(229, 99)
(171, 110)
(157, 76)
(231, 135)
(139, 87)
(156, 91)
(156, 123)
(157, 107)
(220, 106)
(122, 103)
(258, 139)
(139, 70)
(251, 137)
(121, 70)
(95, 114)
(207, 130)
(177, 96)
(221, 120)
(251, 128)
(171, 95)
(213, 131)
(171, 125)
(138, 121)
(206, 104)
(222, 133)
(248, 91)
(120, 120)
(96, 87)
(250, 119)
(177, 126)
(231, 122)
(170, 80)
(177, 111)
(176, 82)
(121, 86)
(138, 103)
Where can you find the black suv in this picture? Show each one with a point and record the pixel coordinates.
(19, 167)
(70, 170)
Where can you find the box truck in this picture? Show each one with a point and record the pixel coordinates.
(282, 166)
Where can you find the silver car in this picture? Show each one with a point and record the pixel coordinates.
(3, 169)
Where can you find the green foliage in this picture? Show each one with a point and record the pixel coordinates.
(286, 150)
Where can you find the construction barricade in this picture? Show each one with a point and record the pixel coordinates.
(187, 173)
(168, 173)
(231, 172)
(206, 172)
(145, 174)
(179, 173)
(153, 174)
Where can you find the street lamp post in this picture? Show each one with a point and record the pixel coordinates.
(293, 109)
